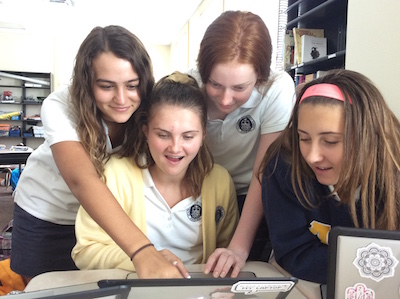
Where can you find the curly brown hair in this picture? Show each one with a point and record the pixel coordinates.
(125, 45)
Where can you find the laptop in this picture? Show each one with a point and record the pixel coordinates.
(363, 263)
(202, 288)
(84, 291)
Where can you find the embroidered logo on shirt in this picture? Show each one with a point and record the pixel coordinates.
(194, 212)
(245, 124)
(321, 230)
(219, 214)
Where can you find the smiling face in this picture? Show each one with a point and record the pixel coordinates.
(321, 140)
(174, 135)
(229, 86)
(115, 88)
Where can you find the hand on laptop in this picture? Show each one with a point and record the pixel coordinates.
(176, 261)
(224, 260)
(154, 264)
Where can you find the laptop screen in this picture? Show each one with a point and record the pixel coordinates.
(202, 288)
(363, 263)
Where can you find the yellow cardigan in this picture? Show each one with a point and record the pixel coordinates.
(96, 250)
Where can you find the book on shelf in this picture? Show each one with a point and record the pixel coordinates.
(297, 34)
(309, 77)
(288, 54)
(312, 47)
(302, 79)
(305, 78)
(299, 79)
(319, 74)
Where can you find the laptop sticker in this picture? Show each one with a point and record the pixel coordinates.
(359, 290)
(375, 262)
(253, 287)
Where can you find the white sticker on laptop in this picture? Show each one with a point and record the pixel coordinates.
(375, 262)
(359, 290)
(253, 287)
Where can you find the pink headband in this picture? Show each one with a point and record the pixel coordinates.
(325, 90)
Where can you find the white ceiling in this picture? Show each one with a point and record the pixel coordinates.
(153, 21)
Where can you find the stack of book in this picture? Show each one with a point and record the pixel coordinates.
(304, 45)
(288, 55)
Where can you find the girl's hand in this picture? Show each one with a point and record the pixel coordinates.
(151, 263)
(176, 261)
(223, 260)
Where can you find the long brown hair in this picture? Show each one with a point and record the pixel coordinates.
(125, 45)
(371, 151)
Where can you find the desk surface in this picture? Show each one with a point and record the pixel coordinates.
(86, 278)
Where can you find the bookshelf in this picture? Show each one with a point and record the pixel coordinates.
(28, 89)
(330, 15)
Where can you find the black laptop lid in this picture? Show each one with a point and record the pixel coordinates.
(85, 291)
(257, 287)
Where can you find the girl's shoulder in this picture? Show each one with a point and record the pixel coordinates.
(57, 101)
(217, 176)
(116, 163)
(60, 95)
(277, 80)
(218, 170)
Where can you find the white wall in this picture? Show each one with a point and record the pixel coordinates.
(184, 49)
(56, 54)
(55, 51)
(267, 10)
(198, 23)
(373, 45)
(20, 51)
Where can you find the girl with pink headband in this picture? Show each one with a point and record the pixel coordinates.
(337, 163)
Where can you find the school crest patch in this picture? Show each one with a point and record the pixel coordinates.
(245, 124)
(219, 214)
(194, 212)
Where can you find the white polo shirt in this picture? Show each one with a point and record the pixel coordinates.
(178, 229)
(41, 190)
(234, 141)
